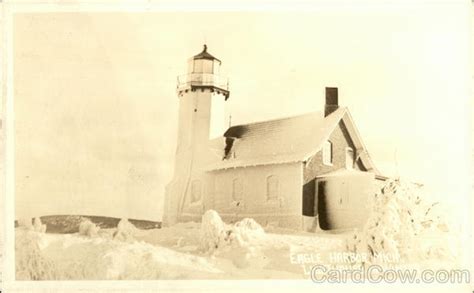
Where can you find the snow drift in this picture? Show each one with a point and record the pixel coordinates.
(94, 256)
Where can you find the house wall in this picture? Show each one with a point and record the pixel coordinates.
(340, 139)
(284, 211)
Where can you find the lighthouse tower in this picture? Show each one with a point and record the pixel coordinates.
(202, 93)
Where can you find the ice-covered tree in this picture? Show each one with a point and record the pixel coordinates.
(402, 218)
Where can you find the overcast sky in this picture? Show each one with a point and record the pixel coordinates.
(96, 108)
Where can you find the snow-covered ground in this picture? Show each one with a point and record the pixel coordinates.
(404, 229)
(177, 252)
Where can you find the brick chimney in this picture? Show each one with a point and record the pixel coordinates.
(331, 101)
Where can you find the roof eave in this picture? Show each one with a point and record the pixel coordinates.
(213, 169)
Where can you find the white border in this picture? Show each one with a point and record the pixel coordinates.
(11, 7)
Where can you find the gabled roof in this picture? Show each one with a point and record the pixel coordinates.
(286, 140)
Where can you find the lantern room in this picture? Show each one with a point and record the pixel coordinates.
(203, 73)
(204, 63)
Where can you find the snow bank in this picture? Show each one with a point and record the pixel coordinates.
(403, 224)
(207, 250)
(69, 257)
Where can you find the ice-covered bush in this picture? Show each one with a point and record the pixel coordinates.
(125, 231)
(215, 234)
(238, 242)
(213, 231)
(38, 226)
(25, 223)
(35, 225)
(400, 221)
(30, 264)
(246, 230)
(87, 228)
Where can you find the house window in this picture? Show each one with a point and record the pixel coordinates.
(272, 187)
(349, 158)
(196, 191)
(237, 189)
(327, 153)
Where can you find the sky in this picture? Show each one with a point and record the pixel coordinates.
(96, 109)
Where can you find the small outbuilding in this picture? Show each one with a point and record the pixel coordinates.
(341, 199)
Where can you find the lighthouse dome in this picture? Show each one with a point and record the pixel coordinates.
(204, 63)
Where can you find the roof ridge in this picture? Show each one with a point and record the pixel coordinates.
(285, 118)
(276, 119)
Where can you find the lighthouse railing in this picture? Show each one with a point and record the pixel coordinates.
(202, 79)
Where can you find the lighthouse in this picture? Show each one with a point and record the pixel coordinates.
(294, 172)
(202, 93)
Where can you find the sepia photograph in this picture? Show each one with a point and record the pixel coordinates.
(323, 144)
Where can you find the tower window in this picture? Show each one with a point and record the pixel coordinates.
(272, 187)
(327, 153)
